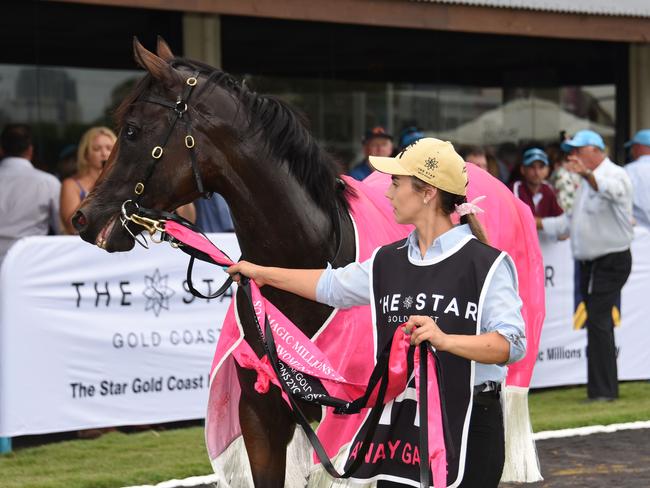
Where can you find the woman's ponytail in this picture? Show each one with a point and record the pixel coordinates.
(475, 226)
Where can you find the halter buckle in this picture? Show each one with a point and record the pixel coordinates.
(139, 188)
(191, 81)
(157, 152)
(189, 141)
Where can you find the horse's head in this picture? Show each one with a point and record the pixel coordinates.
(151, 164)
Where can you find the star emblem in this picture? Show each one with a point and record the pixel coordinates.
(431, 163)
(157, 292)
(408, 302)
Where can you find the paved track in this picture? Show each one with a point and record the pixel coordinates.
(619, 459)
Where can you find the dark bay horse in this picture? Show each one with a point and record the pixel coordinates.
(288, 207)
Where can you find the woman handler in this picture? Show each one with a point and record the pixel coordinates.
(457, 292)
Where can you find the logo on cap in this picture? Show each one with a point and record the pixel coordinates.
(431, 163)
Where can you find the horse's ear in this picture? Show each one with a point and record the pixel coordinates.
(155, 65)
(163, 50)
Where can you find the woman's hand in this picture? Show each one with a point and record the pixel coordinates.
(250, 270)
(423, 328)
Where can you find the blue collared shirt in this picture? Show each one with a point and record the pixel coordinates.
(350, 286)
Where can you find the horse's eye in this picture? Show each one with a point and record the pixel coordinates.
(131, 132)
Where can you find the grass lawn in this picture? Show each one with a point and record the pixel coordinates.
(564, 408)
(115, 459)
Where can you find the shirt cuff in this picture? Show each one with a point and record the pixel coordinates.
(324, 285)
(516, 341)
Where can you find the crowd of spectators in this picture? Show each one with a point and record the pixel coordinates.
(536, 172)
(575, 191)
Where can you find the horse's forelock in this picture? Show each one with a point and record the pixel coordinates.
(120, 112)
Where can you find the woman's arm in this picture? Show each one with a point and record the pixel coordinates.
(298, 281)
(490, 348)
(69, 203)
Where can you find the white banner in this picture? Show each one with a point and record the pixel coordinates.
(91, 339)
(562, 352)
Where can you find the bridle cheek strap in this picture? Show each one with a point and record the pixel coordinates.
(180, 111)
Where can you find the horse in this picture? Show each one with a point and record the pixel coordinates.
(289, 208)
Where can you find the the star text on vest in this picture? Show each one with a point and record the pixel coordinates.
(423, 304)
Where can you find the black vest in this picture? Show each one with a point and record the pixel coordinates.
(449, 289)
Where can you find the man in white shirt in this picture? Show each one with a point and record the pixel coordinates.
(601, 233)
(639, 173)
(29, 198)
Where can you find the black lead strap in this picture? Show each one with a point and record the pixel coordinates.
(424, 416)
(301, 419)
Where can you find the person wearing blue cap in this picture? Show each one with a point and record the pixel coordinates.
(376, 142)
(601, 232)
(408, 136)
(533, 189)
(639, 172)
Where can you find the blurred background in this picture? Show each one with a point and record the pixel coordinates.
(473, 75)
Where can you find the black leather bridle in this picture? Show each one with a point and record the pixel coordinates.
(180, 112)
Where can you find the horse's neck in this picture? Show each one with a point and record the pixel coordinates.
(278, 224)
(276, 221)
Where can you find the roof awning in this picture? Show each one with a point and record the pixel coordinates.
(626, 8)
(606, 20)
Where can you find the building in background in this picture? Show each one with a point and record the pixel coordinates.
(475, 71)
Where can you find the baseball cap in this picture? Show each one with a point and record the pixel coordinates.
(642, 137)
(583, 138)
(431, 160)
(534, 154)
(376, 132)
(409, 136)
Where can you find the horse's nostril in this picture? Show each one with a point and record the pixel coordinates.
(79, 221)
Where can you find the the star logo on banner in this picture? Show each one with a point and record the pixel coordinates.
(157, 292)
(408, 302)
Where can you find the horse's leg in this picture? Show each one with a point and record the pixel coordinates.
(267, 427)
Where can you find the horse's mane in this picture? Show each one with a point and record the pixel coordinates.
(283, 128)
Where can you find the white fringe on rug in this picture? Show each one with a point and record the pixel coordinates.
(233, 470)
(521, 464)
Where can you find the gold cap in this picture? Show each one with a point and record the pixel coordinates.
(432, 161)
